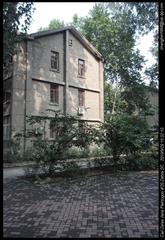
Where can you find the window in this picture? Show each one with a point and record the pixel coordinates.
(55, 60)
(81, 98)
(81, 67)
(54, 93)
(6, 96)
(52, 130)
(6, 127)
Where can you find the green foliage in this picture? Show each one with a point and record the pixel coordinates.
(86, 134)
(153, 75)
(17, 155)
(47, 153)
(112, 99)
(98, 151)
(140, 162)
(74, 153)
(54, 24)
(13, 12)
(143, 16)
(77, 22)
(70, 169)
(124, 134)
(122, 62)
(106, 27)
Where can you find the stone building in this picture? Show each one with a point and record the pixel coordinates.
(55, 69)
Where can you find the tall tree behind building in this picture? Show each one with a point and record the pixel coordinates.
(17, 17)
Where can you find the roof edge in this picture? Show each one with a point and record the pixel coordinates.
(74, 31)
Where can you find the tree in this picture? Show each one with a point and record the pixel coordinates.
(143, 16)
(152, 72)
(114, 38)
(13, 29)
(113, 29)
(48, 154)
(77, 22)
(113, 102)
(124, 134)
(53, 25)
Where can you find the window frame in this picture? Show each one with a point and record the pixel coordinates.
(81, 98)
(54, 93)
(81, 68)
(55, 63)
(6, 96)
(6, 127)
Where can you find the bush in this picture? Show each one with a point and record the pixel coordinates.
(124, 134)
(142, 162)
(47, 153)
(74, 153)
(69, 169)
(98, 152)
(18, 155)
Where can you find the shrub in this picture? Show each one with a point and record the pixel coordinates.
(98, 152)
(70, 169)
(142, 162)
(15, 155)
(67, 134)
(124, 134)
(74, 153)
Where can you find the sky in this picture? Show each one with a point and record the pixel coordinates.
(46, 11)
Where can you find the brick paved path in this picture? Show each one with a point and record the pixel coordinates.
(110, 206)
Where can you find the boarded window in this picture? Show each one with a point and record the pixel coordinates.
(81, 98)
(54, 93)
(81, 67)
(55, 60)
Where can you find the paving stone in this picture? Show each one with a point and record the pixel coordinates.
(118, 205)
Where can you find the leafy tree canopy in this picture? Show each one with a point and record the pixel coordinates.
(113, 29)
(17, 17)
(53, 25)
(143, 16)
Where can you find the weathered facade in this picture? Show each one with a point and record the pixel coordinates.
(57, 70)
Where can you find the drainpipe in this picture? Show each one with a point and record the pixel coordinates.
(25, 95)
(66, 71)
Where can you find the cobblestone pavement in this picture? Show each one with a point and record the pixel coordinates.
(104, 206)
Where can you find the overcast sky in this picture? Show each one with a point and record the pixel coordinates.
(46, 11)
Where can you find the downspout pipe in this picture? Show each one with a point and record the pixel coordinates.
(25, 94)
(66, 71)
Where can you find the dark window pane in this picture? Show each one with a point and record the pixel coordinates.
(81, 67)
(81, 98)
(54, 93)
(55, 60)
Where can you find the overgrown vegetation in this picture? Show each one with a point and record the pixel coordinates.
(125, 134)
(118, 136)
